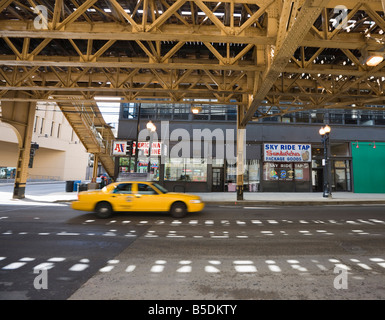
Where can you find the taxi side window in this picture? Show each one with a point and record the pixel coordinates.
(145, 189)
(124, 188)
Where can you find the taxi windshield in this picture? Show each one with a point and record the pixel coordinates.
(160, 188)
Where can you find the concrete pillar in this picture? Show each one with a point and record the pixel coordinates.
(21, 116)
(241, 138)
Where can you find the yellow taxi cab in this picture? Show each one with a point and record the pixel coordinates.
(136, 196)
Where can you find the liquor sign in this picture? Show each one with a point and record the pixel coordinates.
(119, 148)
(276, 152)
(144, 146)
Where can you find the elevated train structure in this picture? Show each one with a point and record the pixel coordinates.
(267, 57)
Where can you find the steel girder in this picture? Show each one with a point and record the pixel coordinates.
(260, 54)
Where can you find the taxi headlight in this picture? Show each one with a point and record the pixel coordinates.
(195, 201)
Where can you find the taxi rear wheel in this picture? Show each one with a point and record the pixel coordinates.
(103, 210)
(178, 210)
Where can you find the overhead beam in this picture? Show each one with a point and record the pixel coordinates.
(304, 20)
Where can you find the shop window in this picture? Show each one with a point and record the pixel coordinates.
(273, 171)
(142, 167)
(182, 169)
(301, 172)
(250, 175)
(123, 169)
(253, 175)
(123, 161)
(277, 171)
(231, 172)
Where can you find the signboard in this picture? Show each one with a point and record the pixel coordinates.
(119, 148)
(276, 152)
(128, 148)
(143, 148)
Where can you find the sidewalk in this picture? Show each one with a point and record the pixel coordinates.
(33, 194)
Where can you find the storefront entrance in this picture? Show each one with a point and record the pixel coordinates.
(218, 180)
(341, 175)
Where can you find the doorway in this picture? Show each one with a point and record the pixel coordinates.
(218, 180)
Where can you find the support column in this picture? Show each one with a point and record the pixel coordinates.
(95, 168)
(241, 138)
(21, 115)
(240, 161)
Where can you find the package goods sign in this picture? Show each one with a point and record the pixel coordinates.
(274, 152)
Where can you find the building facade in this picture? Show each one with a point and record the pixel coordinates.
(60, 156)
(197, 152)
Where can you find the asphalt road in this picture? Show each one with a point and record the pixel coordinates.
(224, 252)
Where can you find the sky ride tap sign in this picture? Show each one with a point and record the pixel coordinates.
(276, 152)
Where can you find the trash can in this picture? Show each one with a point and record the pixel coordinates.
(69, 186)
(76, 183)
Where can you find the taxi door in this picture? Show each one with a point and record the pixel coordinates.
(146, 198)
(121, 197)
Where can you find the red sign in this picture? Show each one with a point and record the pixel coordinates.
(143, 148)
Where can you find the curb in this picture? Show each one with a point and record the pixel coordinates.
(295, 203)
(279, 203)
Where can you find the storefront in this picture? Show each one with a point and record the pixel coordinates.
(269, 167)
(286, 168)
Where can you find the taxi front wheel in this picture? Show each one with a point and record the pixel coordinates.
(178, 210)
(103, 210)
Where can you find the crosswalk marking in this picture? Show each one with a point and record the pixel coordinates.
(222, 222)
(14, 265)
(245, 230)
(247, 266)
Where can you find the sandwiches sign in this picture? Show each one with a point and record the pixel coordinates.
(287, 152)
